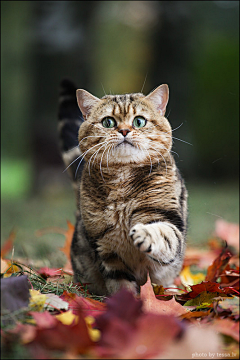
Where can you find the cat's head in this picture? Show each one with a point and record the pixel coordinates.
(120, 129)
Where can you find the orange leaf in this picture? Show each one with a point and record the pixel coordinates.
(153, 305)
(218, 265)
(68, 235)
(8, 244)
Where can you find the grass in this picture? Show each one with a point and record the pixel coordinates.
(207, 203)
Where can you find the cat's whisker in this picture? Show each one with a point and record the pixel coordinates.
(144, 82)
(168, 154)
(177, 127)
(173, 137)
(95, 153)
(182, 141)
(72, 163)
(83, 155)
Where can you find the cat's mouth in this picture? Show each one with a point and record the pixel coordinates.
(124, 143)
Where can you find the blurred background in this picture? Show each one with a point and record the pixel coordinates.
(117, 47)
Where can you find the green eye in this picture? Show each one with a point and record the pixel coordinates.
(108, 122)
(139, 122)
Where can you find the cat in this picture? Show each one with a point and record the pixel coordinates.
(131, 216)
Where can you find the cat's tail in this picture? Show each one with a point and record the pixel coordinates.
(69, 120)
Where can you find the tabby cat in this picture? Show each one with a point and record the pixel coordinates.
(131, 199)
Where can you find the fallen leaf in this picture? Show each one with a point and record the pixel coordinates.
(153, 305)
(93, 333)
(68, 235)
(67, 318)
(8, 244)
(52, 334)
(218, 265)
(204, 297)
(37, 300)
(231, 304)
(14, 293)
(55, 302)
(207, 286)
(195, 314)
(129, 333)
(46, 272)
(188, 278)
(89, 306)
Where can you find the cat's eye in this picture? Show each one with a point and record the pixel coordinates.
(109, 122)
(139, 122)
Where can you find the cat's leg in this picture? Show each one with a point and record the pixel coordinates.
(161, 241)
(117, 275)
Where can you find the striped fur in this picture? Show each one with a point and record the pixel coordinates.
(132, 201)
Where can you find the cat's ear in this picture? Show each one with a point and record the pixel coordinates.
(159, 97)
(86, 101)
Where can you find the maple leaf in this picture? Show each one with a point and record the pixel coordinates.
(127, 332)
(89, 306)
(46, 272)
(204, 286)
(152, 304)
(188, 278)
(218, 265)
(68, 235)
(53, 334)
(8, 244)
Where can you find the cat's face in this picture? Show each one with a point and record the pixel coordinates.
(121, 129)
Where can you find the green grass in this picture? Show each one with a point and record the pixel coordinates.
(207, 203)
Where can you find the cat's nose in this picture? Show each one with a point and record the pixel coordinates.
(124, 132)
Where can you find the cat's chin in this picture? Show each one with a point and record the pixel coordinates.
(128, 153)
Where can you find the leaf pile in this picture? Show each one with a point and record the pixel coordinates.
(46, 316)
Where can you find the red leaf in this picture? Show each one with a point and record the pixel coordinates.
(88, 306)
(218, 265)
(207, 286)
(129, 333)
(47, 272)
(153, 305)
(52, 334)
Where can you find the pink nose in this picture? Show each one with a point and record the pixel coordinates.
(124, 132)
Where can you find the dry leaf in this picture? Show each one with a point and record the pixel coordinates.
(188, 278)
(153, 305)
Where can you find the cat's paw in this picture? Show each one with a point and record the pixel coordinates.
(141, 237)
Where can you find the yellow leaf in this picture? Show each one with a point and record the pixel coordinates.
(37, 300)
(188, 278)
(93, 333)
(67, 318)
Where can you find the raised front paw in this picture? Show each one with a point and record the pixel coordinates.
(142, 239)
